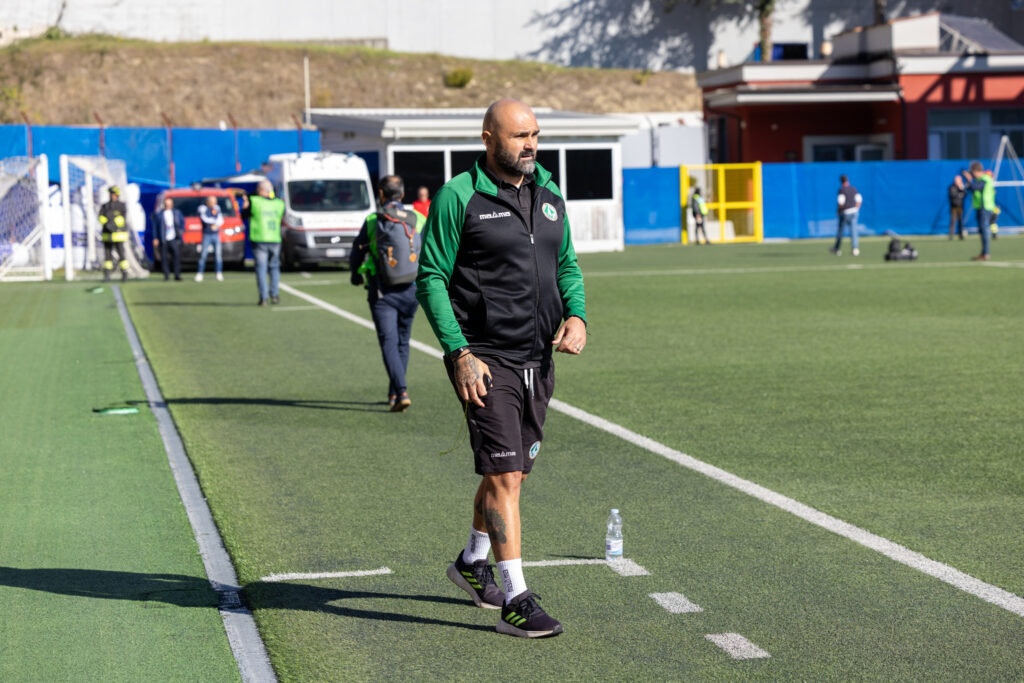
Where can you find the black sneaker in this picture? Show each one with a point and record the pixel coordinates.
(477, 579)
(275, 300)
(523, 617)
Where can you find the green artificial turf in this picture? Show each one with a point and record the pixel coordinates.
(100, 577)
(884, 394)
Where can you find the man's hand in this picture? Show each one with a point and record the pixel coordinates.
(571, 337)
(472, 377)
(156, 242)
(356, 278)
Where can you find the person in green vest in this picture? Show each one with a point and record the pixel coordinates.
(699, 210)
(983, 200)
(265, 214)
(385, 258)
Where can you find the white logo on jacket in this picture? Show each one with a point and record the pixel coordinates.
(496, 214)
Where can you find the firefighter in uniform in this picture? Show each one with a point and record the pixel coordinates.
(115, 234)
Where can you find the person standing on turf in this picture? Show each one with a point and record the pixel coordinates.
(501, 287)
(983, 200)
(956, 192)
(848, 203)
(211, 218)
(265, 214)
(387, 250)
(113, 218)
(169, 228)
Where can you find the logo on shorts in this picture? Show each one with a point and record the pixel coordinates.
(504, 454)
(534, 449)
(549, 212)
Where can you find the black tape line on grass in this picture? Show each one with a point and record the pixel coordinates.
(246, 644)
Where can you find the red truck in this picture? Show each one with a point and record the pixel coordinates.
(232, 232)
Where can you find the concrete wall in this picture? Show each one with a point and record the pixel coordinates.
(597, 33)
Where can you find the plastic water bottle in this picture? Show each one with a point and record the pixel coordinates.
(613, 538)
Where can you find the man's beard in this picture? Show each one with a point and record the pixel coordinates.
(514, 165)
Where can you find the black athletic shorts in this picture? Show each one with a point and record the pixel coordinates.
(507, 432)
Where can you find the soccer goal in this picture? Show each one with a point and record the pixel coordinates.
(85, 186)
(1007, 171)
(24, 235)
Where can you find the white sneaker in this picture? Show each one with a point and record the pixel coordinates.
(856, 252)
(220, 276)
(199, 277)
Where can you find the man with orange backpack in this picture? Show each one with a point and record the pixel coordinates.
(385, 256)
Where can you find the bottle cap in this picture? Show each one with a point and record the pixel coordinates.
(615, 511)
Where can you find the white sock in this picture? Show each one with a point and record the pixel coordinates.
(512, 581)
(477, 547)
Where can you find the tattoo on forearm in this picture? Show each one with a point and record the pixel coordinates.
(496, 526)
(479, 507)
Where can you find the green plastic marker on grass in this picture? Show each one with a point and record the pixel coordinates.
(116, 410)
(96, 290)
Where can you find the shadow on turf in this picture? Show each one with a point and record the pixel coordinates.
(359, 406)
(157, 590)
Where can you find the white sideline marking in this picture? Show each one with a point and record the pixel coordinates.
(305, 274)
(623, 567)
(894, 551)
(676, 603)
(278, 309)
(737, 646)
(273, 578)
(793, 269)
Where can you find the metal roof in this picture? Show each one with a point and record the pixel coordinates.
(970, 34)
(405, 124)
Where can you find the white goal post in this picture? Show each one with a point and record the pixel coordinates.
(85, 182)
(24, 233)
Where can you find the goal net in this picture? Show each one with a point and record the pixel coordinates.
(24, 237)
(85, 185)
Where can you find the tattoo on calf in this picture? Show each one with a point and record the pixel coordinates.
(496, 526)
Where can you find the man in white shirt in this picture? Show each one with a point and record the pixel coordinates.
(212, 218)
(168, 228)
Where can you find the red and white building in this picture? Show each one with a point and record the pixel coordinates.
(933, 86)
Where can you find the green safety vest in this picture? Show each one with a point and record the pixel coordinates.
(265, 219)
(986, 198)
(697, 202)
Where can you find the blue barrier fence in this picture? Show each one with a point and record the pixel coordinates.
(198, 152)
(908, 197)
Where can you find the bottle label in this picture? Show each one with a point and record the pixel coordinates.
(613, 546)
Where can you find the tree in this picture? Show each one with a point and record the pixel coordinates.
(762, 8)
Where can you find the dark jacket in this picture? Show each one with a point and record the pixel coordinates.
(956, 196)
(486, 280)
(159, 229)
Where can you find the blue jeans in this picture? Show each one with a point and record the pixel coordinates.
(984, 219)
(393, 313)
(210, 241)
(267, 254)
(847, 219)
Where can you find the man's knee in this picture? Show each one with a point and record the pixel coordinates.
(503, 482)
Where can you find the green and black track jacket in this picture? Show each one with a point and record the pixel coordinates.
(485, 281)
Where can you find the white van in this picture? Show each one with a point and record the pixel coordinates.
(327, 197)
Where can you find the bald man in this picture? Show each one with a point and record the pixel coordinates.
(265, 215)
(499, 283)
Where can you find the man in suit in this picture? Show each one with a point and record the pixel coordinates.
(168, 228)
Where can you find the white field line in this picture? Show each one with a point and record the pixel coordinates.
(737, 646)
(798, 269)
(623, 567)
(317, 283)
(676, 603)
(894, 551)
(273, 578)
